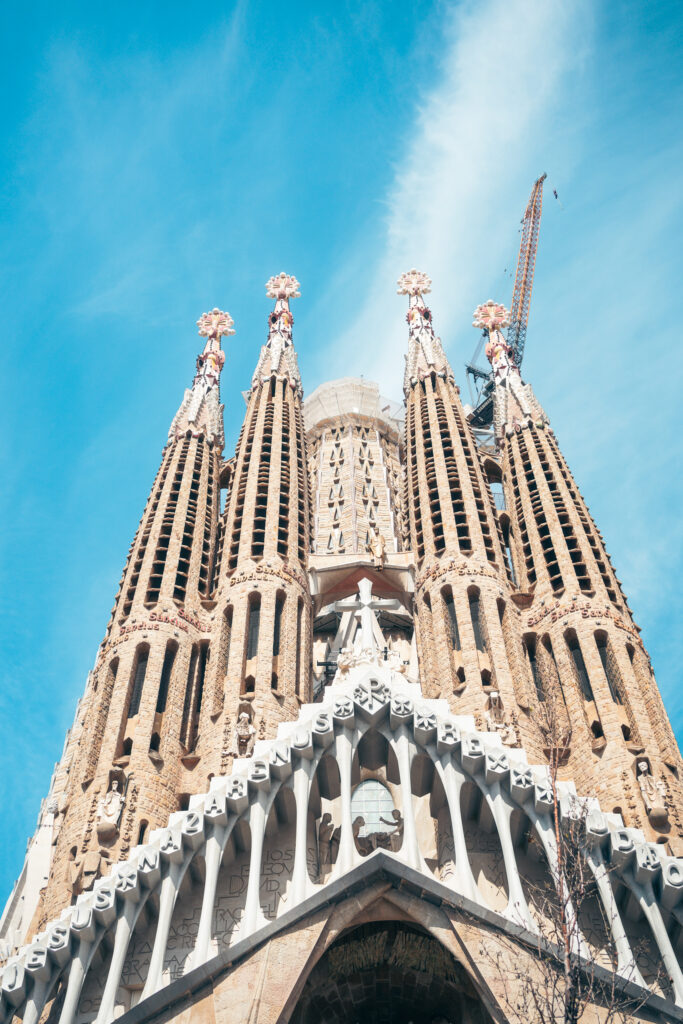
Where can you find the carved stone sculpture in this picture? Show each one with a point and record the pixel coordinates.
(325, 833)
(86, 870)
(396, 837)
(377, 548)
(109, 813)
(246, 735)
(654, 795)
(496, 721)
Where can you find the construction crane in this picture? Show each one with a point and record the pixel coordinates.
(480, 380)
(524, 278)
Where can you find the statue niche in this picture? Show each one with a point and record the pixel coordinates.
(110, 807)
(245, 734)
(497, 722)
(654, 794)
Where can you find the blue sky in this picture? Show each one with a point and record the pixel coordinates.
(158, 160)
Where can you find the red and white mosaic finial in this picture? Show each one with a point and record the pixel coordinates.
(283, 286)
(491, 316)
(216, 324)
(414, 282)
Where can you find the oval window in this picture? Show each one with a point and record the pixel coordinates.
(372, 802)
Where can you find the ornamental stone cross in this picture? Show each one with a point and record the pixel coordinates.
(364, 607)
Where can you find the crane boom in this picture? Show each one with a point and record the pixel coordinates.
(524, 278)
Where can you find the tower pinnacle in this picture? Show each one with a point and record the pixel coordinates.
(492, 317)
(200, 410)
(278, 357)
(425, 351)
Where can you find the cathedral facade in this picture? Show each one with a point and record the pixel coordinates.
(360, 682)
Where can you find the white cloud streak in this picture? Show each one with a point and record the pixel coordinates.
(478, 140)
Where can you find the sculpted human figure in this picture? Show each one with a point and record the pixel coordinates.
(325, 833)
(377, 548)
(246, 734)
(395, 837)
(345, 660)
(496, 721)
(109, 813)
(654, 794)
(362, 842)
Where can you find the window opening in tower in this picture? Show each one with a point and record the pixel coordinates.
(169, 659)
(140, 670)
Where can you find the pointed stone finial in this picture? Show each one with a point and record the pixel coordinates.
(414, 282)
(216, 324)
(277, 355)
(200, 410)
(511, 399)
(425, 352)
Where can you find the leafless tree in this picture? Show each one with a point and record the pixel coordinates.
(571, 976)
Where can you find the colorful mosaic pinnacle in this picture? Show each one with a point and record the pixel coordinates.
(216, 324)
(414, 282)
(283, 286)
(491, 316)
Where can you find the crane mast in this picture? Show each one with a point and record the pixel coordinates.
(524, 278)
(480, 379)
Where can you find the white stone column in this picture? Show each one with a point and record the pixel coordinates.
(517, 908)
(453, 781)
(168, 895)
(410, 851)
(626, 962)
(544, 829)
(648, 904)
(302, 784)
(258, 815)
(124, 929)
(73, 987)
(347, 854)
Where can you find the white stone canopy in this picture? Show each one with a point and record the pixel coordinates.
(247, 852)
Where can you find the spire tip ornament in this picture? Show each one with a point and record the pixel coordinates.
(216, 324)
(283, 286)
(491, 316)
(414, 282)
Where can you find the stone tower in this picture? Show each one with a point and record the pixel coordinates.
(339, 731)
(137, 720)
(462, 583)
(582, 650)
(260, 673)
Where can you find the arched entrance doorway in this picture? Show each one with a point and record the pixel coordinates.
(388, 973)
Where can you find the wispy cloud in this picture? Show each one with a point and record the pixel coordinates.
(477, 141)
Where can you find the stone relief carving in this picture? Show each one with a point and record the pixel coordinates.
(654, 794)
(379, 840)
(496, 721)
(85, 870)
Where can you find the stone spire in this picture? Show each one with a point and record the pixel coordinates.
(513, 401)
(454, 530)
(278, 358)
(200, 410)
(425, 351)
(263, 668)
